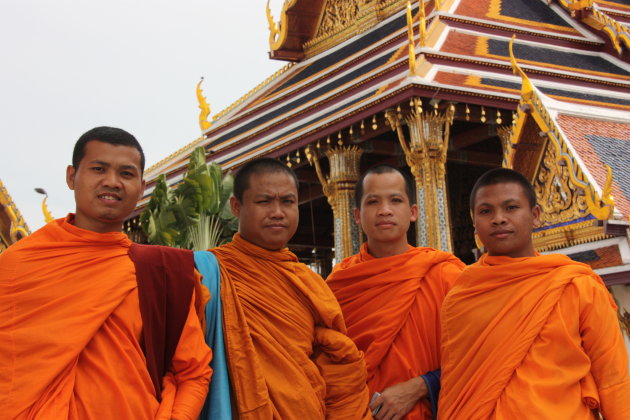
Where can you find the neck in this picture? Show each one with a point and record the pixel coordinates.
(96, 226)
(389, 249)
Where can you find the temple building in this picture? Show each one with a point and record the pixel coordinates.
(12, 224)
(444, 90)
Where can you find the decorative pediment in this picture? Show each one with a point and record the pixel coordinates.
(572, 206)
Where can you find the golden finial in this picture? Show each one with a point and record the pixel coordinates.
(423, 24)
(483, 115)
(297, 156)
(362, 125)
(467, 113)
(48, 217)
(419, 105)
(435, 108)
(412, 47)
(527, 88)
(351, 131)
(374, 125)
(289, 164)
(318, 146)
(499, 120)
(328, 140)
(339, 142)
(514, 116)
(398, 111)
(204, 124)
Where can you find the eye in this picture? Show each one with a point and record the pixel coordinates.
(289, 201)
(262, 201)
(127, 174)
(371, 201)
(512, 207)
(483, 211)
(397, 200)
(97, 169)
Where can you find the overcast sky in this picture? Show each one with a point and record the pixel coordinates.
(68, 66)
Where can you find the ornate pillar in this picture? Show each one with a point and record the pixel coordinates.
(338, 187)
(425, 153)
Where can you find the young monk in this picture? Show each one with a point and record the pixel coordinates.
(91, 326)
(526, 335)
(287, 351)
(391, 294)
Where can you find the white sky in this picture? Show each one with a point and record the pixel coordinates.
(70, 65)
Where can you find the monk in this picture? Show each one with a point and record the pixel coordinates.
(526, 335)
(91, 325)
(391, 294)
(287, 351)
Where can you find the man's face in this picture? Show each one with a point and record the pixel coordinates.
(268, 215)
(107, 185)
(385, 213)
(504, 220)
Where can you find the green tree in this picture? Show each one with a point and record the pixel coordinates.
(195, 214)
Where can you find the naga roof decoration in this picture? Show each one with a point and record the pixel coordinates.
(348, 79)
(12, 224)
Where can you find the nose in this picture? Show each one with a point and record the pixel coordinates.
(384, 210)
(276, 210)
(499, 218)
(111, 180)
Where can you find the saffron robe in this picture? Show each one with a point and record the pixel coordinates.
(70, 334)
(287, 350)
(392, 309)
(535, 337)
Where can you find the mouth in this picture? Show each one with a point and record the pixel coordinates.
(276, 226)
(500, 234)
(386, 224)
(109, 197)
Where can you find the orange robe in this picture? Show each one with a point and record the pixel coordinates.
(287, 350)
(392, 309)
(70, 334)
(534, 337)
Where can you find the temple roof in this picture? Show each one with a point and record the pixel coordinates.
(464, 60)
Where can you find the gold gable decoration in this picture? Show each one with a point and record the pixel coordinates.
(562, 189)
(343, 19)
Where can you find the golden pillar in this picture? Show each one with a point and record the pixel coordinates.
(338, 187)
(425, 153)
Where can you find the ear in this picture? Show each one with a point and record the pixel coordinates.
(536, 212)
(70, 173)
(235, 206)
(357, 216)
(414, 212)
(144, 184)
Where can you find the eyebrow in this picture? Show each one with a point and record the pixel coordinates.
(106, 164)
(509, 200)
(263, 195)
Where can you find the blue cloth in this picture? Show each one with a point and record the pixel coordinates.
(432, 380)
(217, 406)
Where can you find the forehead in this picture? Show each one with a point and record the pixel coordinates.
(388, 182)
(111, 153)
(271, 183)
(500, 192)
